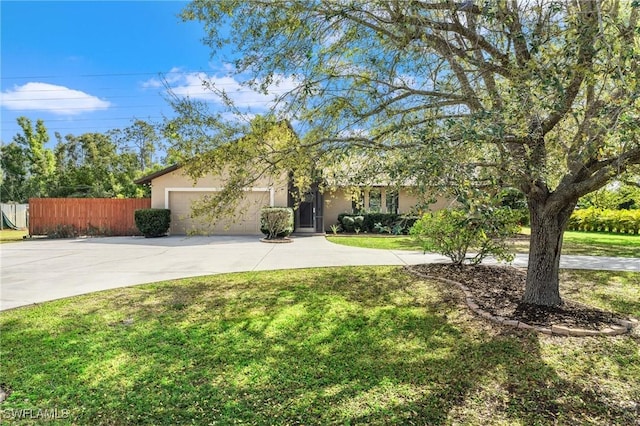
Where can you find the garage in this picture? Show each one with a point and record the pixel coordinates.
(247, 221)
(172, 189)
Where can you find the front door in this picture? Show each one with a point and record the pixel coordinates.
(307, 213)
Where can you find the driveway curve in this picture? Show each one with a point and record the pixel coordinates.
(37, 271)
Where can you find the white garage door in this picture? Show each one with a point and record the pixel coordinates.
(247, 222)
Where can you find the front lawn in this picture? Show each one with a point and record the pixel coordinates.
(352, 345)
(576, 243)
(387, 242)
(594, 244)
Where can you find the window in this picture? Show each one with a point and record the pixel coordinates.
(375, 200)
(392, 201)
(357, 204)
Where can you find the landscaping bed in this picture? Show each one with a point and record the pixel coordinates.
(498, 290)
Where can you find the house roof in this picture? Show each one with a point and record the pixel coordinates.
(145, 180)
(338, 175)
(148, 178)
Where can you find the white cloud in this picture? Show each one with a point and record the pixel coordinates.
(151, 83)
(173, 76)
(51, 98)
(197, 85)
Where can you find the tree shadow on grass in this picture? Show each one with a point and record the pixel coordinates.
(347, 345)
(616, 292)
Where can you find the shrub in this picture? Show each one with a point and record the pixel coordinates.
(382, 229)
(276, 222)
(370, 220)
(605, 220)
(63, 231)
(352, 223)
(376, 223)
(347, 223)
(336, 228)
(153, 222)
(452, 232)
(101, 231)
(358, 223)
(403, 225)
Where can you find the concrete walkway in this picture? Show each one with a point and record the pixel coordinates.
(41, 270)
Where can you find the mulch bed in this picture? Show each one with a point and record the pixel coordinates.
(498, 290)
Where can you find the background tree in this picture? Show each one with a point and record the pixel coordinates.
(541, 96)
(90, 165)
(140, 138)
(29, 165)
(615, 196)
(14, 171)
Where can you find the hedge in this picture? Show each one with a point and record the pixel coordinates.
(153, 222)
(376, 223)
(605, 220)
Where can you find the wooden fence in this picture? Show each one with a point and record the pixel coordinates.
(84, 216)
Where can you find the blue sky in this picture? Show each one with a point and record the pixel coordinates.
(92, 66)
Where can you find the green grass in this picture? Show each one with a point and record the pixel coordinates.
(353, 345)
(387, 242)
(576, 243)
(10, 236)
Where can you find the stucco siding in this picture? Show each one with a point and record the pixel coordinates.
(177, 192)
(335, 202)
(339, 201)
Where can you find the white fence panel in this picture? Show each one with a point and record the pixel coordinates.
(18, 214)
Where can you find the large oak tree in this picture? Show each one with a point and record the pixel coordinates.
(538, 95)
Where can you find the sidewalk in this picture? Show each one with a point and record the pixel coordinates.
(39, 271)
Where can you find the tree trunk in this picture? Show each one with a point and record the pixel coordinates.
(547, 229)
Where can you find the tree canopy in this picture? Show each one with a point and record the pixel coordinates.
(537, 95)
(27, 165)
(89, 165)
(140, 138)
(541, 90)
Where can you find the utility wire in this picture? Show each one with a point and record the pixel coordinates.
(66, 89)
(84, 119)
(119, 74)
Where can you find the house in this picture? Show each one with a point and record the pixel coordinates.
(317, 211)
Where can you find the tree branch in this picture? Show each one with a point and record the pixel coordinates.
(588, 29)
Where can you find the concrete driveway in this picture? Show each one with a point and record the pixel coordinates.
(36, 271)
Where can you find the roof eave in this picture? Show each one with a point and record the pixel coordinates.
(145, 180)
